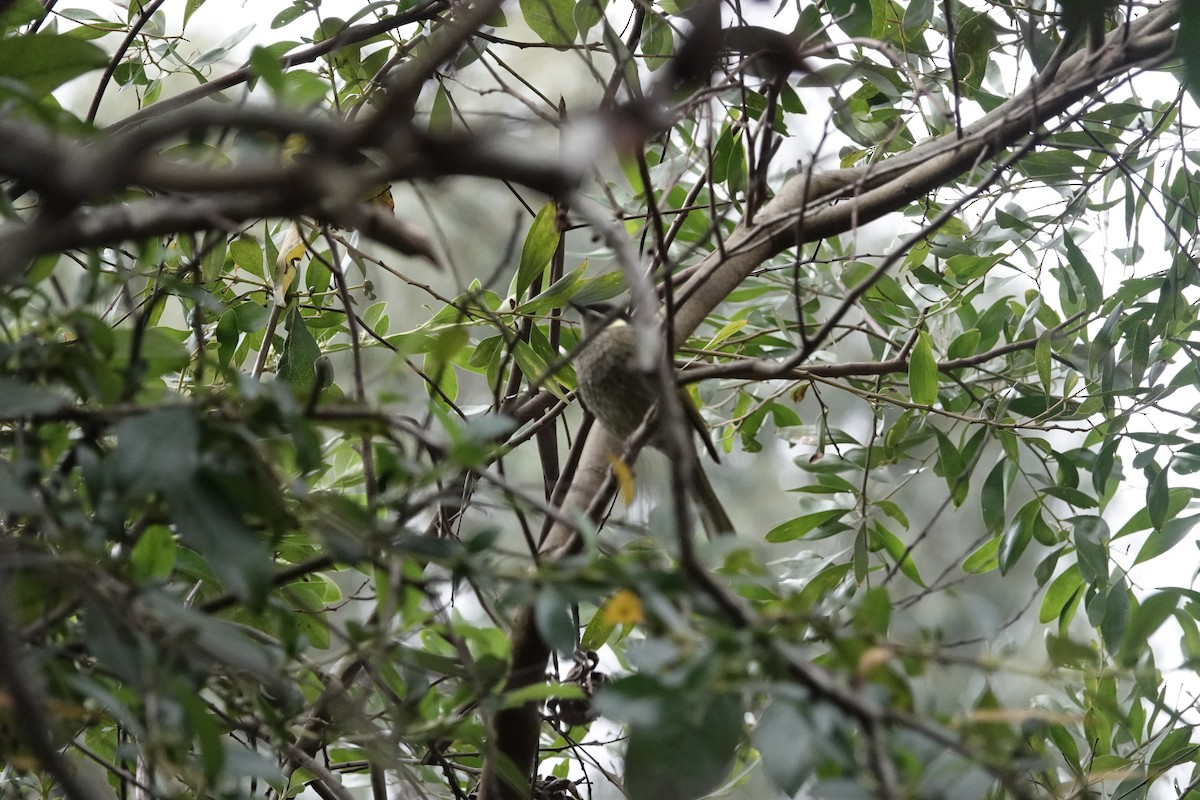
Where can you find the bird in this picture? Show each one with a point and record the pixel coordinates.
(620, 395)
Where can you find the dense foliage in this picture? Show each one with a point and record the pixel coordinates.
(296, 496)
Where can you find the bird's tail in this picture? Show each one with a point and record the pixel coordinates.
(713, 517)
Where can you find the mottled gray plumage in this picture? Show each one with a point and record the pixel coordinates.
(612, 388)
(620, 396)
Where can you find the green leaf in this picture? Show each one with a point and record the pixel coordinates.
(1092, 290)
(800, 526)
(1109, 611)
(1065, 652)
(441, 116)
(973, 45)
(153, 557)
(247, 254)
(967, 267)
(657, 42)
(1041, 358)
(916, 16)
(781, 726)
(601, 288)
(552, 20)
(1188, 47)
(289, 15)
(1059, 594)
(1158, 498)
(1176, 747)
(596, 634)
(964, 345)
(540, 244)
(1018, 535)
(209, 525)
(992, 498)
(266, 66)
(18, 399)
(45, 61)
(297, 365)
(923, 372)
(792, 741)
(155, 451)
(899, 552)
(684, 755)
(1090, 535)
(190, 8)
(553, 615)
(737, 176)
(1177, 500)
(1147, 618)
(1164, 539)
(557, 294)
(953, 466)
(588, 13)
(1072, 496)
(984, 559)
(722, 153)
(855, 18)
(19, 13)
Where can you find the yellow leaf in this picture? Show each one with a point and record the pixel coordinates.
(623, 608)
(291, 250)
(624, 476)
(381, 195)
(729, 330)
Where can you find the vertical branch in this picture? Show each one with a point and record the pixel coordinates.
(360, 394)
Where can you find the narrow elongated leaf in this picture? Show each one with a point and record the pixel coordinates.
(923, 372)
(1164, 539)
(800, 526)
(1041, 358)
(1158, 498)
(540, 244)
(1091, 546)
(992, 498)
(1147, 618)
(952, 465)
(1189, 47)
(1093, 292)
(1018, 535)
(1061, 591)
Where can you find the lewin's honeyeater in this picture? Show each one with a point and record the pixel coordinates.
(620, 396)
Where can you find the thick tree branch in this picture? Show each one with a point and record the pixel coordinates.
(324, 187)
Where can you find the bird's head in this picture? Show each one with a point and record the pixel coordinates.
(598, 316)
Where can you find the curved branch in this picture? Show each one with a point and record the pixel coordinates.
(326, 188)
